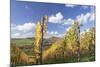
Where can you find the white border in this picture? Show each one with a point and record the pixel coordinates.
(4, 33)
(80, 2)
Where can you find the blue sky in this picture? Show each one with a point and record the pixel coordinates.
(24, 16)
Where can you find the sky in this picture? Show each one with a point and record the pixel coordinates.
(25, 15)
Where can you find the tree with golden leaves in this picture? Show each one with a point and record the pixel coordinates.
(41, 28)
(37, 42)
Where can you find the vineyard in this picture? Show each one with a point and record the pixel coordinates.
(70, 48)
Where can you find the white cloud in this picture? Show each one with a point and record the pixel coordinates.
(68, 21)
(92, 18)
(22, 35)
(85, 18)
(52, 32)
(12, 25)
(22, 31)
(60, 35)
(82, 19)
(28, 34)
(25, 27)
(70, 5)
(14, 35)
(56, 32)
(56, 18)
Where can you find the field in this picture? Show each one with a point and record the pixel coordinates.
(24, 41)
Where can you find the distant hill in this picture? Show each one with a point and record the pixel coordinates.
(49, 41)
(29, 41)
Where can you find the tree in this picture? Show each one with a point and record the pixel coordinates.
(72, 39)
(41, 29)
(88, 43)
(37, 43)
